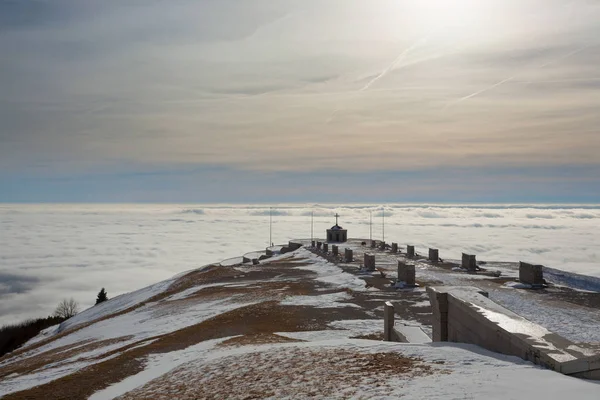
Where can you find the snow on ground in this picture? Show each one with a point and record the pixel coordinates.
(320, 301)
(157, 365)
(336, 369)
(330, 273)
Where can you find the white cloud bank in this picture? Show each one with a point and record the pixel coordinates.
(54, 251)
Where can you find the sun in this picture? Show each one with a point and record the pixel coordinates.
(452, 16)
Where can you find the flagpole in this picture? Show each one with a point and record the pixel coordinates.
(312, 222)
(370, 225)
(383, 224)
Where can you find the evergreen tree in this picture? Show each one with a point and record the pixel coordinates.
(102, 297)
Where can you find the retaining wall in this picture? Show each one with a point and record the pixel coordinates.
(466, 315)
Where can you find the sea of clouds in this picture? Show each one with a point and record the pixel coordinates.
(50, 252)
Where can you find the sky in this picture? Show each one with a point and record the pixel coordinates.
(313, 100)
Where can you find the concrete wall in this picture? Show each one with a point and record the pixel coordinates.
(463, 315)
(531, 274)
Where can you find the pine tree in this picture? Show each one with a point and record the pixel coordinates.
(102, 297)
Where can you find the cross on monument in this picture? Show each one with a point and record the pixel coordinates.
(336, 218)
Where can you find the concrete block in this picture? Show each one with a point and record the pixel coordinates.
(269, 252)
(312, 243)
(434, 255)
(255, 261)
(388, 321)
(294, 246)
(334, 250)
(406, 273)
(348, 255)
(394, 247)
(373, 244)
(531, 274)
(246, 260)
(369, 262)
(469, 262)
(410, 251)
(382, 245)
(325, 247)
(319, 245)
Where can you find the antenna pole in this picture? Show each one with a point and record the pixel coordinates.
(370, 225)
(312, 222)
(383, 224)
(270, 226)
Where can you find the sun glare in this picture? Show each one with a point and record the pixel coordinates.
(452, 16)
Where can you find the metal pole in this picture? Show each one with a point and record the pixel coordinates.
(370, 225)
(312, 221)
(270, 226)
(383, 224)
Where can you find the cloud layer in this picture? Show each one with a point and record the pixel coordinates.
(52, 252)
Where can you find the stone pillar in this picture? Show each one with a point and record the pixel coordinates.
(406, 274)
(434, 255)
(382, 245)
(394, 247)
(334, 250)
(469, 262)
(439, 308)
(348, 256)
(312, 243)
(369, 262)
(388, 321)
(531, 274)
(319, 245)
(373, 244)
(410, 251)
(325, 248)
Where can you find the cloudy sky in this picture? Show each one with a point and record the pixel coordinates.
(312, 100)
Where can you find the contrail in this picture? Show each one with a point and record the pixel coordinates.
(395, 62)
(495, 85)
(387, 70)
